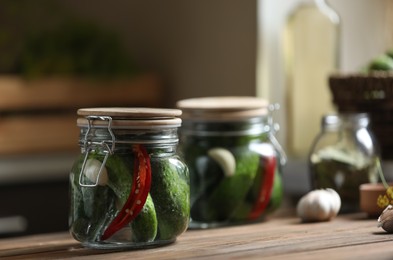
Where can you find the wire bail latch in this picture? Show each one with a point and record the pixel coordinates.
(106, 146)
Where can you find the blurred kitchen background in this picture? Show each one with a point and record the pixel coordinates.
(59, 55)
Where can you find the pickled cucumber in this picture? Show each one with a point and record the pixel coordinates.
(170, 192)
(244, 210)
(230, 192)
(165, 213)
(119, 177)
(277, 193)
(90, 206)
(144, 226)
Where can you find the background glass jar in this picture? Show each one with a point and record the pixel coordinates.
(233, 165)
(129, 188)
(344, 155)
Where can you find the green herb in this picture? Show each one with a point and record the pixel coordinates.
(343, 171)
(75, 48)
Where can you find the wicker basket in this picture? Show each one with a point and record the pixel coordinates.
(371, 93)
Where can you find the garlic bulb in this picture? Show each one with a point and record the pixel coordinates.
(225, 159)
(386, 219)
(319, 205)
(92, 169)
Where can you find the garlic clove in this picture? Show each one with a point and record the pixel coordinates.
(335, 202)
(324, 202)
(319, 205)
(92, 170)
(301, 208)
(306, 209)
(225, 159)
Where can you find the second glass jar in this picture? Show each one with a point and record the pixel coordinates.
(233, 165)
(344, 155)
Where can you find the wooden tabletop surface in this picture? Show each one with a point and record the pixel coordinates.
(346, 237)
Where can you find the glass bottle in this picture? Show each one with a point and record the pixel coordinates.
(311, 53)
(234, 169)
(129, 188)
(344, 156)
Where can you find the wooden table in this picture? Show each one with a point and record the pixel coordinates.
(346, 237)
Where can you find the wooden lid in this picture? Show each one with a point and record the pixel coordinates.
(130, 112)
(131, 117)
(223, 108)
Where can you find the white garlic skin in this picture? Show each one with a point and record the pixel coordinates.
(319, 205)
(92, 169)
(225, 159)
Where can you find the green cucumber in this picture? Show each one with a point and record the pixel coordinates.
(277, 193)
(119, 177)
(171, 195)
(90, 206)
(230, 192)
(144, 226)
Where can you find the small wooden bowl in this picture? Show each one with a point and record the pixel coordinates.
(369, 193)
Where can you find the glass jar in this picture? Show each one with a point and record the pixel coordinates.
(344, 155)
(129, 188)
(233, 166)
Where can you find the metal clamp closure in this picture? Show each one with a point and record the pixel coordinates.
(106, 146)
(273, 128)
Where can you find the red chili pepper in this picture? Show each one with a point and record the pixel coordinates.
(138, 195)
(266, 187)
